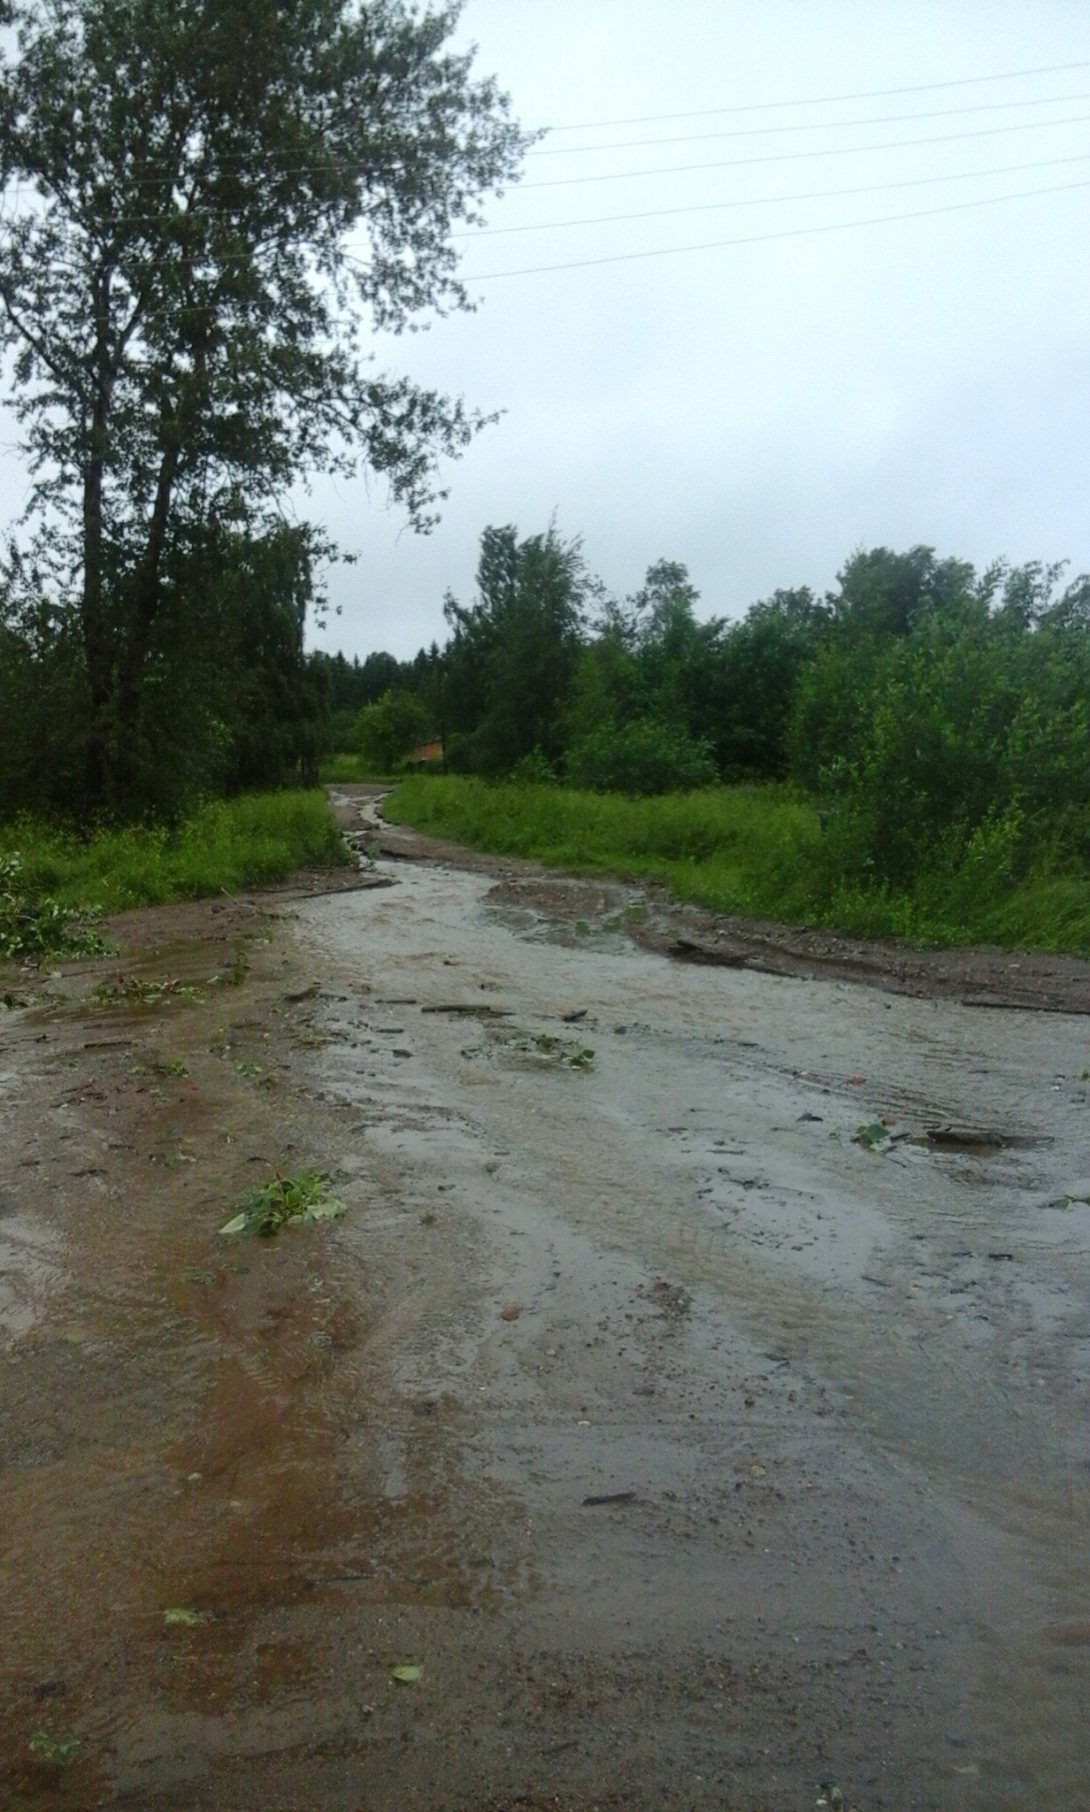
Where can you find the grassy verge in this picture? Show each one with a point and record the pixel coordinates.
(225, 845)
(753, 850)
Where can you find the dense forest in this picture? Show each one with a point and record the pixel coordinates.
(939, 716)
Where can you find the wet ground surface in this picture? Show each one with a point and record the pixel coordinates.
(695, 1390)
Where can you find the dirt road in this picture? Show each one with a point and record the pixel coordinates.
(695, 1391)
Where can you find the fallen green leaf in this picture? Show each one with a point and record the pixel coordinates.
(406, 1674)
(60, 1749)
(872, 1137)
(179, 1614)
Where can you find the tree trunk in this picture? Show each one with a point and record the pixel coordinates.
(137, 647)
(96, 641)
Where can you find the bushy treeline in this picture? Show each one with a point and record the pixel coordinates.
(945, 717)
(349, 687)
(940, 717)
(228, 701)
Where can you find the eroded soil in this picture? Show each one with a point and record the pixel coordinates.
(695, 1452)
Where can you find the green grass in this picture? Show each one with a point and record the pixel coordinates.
(737, 849)
(225, 845)
(351, 768)
(344, 766)
(746, 849)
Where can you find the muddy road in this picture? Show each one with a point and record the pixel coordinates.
(694, 1396)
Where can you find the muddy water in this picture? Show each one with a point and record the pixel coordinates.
(837, 1390)
(693, 1451)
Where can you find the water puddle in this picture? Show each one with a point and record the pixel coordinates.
(705, 1161)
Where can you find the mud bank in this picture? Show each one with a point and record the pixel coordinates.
(695, 1390)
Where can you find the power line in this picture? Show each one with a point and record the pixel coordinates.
(220, 259)
(780, 157)
(255, 253)
(874, 119)
(821, 100)
(712, 207)
(749, 107)
(227, 303)
(730, 163)
(839, 226)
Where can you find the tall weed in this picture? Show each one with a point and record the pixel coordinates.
(241, 842)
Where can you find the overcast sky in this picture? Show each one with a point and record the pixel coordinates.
(759, 410)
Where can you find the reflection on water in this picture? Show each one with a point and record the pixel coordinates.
(928, 1297)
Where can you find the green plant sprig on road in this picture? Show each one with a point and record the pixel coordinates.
(283, 1202)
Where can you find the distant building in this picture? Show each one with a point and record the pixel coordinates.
(425, 754)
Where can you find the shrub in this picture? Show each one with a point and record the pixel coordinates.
(386, 731)
(534, 769)
(641, 757)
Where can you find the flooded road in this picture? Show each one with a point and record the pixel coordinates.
(695, 1391)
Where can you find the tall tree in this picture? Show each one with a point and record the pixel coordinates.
(513, 652)
(751, 676)
(207, 206)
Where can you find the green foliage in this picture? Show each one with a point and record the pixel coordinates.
(228, 698)
(186, 187)
(512, 654)
(58, 1749)
(345, 687)
(34, 926)
(757, 850)
(141, 991)
(283, 1202)
(259, 837)
(938, 719)
(643, 756)
(343, 767)
(563, 1053)
(229, 701)
(607, 687)
(534, 769)
(883, 595)
(956, 753)
(742, 848)
(385, 732)
(669, 642)
(43, 724)
(750, 676)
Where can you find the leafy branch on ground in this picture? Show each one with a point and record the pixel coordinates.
(283, 1202)
(139, 991)
(36, 926)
